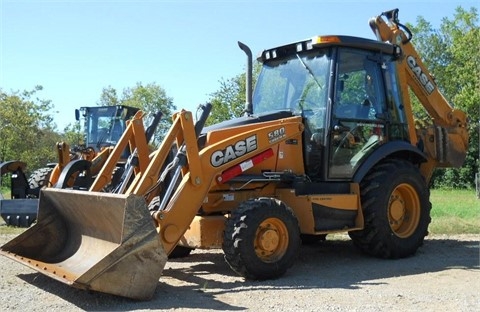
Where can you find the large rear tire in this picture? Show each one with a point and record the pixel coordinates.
(38, 179)
(261, 239)
(396, 208)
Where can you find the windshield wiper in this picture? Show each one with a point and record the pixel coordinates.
(309, 70)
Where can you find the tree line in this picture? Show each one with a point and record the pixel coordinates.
(450, 52)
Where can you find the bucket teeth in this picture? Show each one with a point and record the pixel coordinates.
(19, 212)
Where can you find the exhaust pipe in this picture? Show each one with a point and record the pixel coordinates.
(248, 93)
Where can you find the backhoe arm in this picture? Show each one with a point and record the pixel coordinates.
(445, 143)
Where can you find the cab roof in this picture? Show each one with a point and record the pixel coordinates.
(319, 42)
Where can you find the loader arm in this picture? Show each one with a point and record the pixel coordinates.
(446, 141)
(63, 152)
(134, 137)
(203, 168)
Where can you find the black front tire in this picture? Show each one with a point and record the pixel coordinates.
(261, 239)
(396, 208)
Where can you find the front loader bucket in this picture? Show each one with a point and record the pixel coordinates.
(97, 241)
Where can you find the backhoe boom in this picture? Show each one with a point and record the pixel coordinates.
(446, 141)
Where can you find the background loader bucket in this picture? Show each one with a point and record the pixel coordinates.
(97, 241)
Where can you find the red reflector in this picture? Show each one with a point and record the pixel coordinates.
(236, 170)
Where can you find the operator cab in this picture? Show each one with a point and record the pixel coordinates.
(345, 88)
(104, 125)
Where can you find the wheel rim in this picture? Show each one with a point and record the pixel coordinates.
(404, 210)
(271, 240)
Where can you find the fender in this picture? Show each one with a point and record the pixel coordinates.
(71, 168)
(401, 149)
(11, 166)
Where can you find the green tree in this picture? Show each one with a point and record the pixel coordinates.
(27, 130)
(73, 134)
(109, 97)
(150, 98)
(229, 101)
(451, 53)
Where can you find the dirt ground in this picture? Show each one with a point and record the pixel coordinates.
(444, 275)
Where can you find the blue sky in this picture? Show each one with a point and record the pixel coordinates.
(76, 48)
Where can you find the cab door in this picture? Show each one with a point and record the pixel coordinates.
(357, 124)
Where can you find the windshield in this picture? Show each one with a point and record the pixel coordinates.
(102, 126)
(297, 84)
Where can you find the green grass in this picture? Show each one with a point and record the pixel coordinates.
(455, 212)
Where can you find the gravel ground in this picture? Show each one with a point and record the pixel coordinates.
(444, 275)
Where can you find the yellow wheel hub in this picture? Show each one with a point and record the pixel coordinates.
(404, 210)
(271, 240)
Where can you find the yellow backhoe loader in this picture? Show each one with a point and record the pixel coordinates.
(328, 144)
